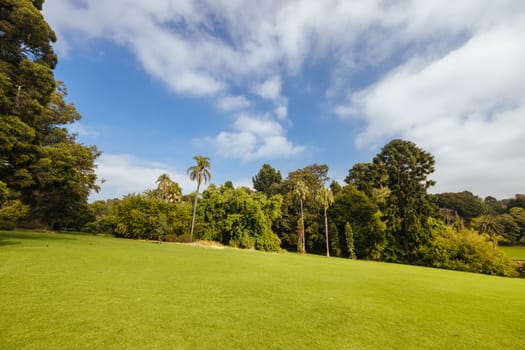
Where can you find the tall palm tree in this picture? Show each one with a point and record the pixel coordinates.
(200, 172)
(300, 192)
(327, 199)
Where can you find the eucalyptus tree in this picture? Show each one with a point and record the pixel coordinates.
(327, 199)
(300, 192)
(199, 173)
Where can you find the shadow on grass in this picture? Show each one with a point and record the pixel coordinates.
(13, 237)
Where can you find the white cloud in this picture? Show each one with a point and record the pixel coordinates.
(444, 74)
(230, 103)
(467, 108)
(269, 89)
(124, 174)
(255, 137)
(282, 111)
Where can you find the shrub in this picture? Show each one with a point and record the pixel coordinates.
(11, 212)
(465, 250)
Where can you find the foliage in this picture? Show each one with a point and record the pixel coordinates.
(267, 180)
(167, 189)
(464, 203)
(362, 214)
(241, 219)
(403, 168)
(142, 217)
(349, 235)
(509, 228)
(301, 192)
(199, 173)
(518, 214)
(11, 212)
(487, 225)
(465, 250)
(517, 201)
(313, 177)
(364, 177)
(494, 206)
(41, 163)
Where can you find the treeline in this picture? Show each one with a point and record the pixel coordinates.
(382, 212)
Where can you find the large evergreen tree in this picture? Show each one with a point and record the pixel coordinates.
(41, 163)
(403, 168)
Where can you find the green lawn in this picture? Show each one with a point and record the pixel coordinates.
(72, 291)
(514, 252)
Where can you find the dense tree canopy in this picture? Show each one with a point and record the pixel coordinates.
(267, 180)
(403, 168)
(40, 161)
(240, 218)
(464, 203)
(313, 177)
(354, 207)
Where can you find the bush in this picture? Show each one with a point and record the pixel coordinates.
(465, 250)
(11, 212)
(239, 218)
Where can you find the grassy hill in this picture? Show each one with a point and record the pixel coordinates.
(86, 292)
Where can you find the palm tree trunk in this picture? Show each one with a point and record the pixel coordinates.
(194, 210)
(303, 244)
(326, 233)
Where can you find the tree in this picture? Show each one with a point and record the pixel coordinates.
(240, 218)
(403, 168)
(349, 235)
(163, 183)
(327, 199)
(357, 209)
(364, 177)
(41, 163)
(301, 192)
(199, 172)
(464, 203)
(489, 226)
(518, 214)
(517, 201)
(494, 206)
(509, 227)
(267, 180)
(167, 189)
(314, 177)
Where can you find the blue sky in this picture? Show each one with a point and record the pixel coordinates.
(291, 83)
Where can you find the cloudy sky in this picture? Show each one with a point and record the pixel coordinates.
(291, 83)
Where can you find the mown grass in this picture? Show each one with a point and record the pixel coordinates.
(514, 252)
(75, 291)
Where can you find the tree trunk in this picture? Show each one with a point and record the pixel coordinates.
(302, 240)
(194, 211)
(326, 233)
